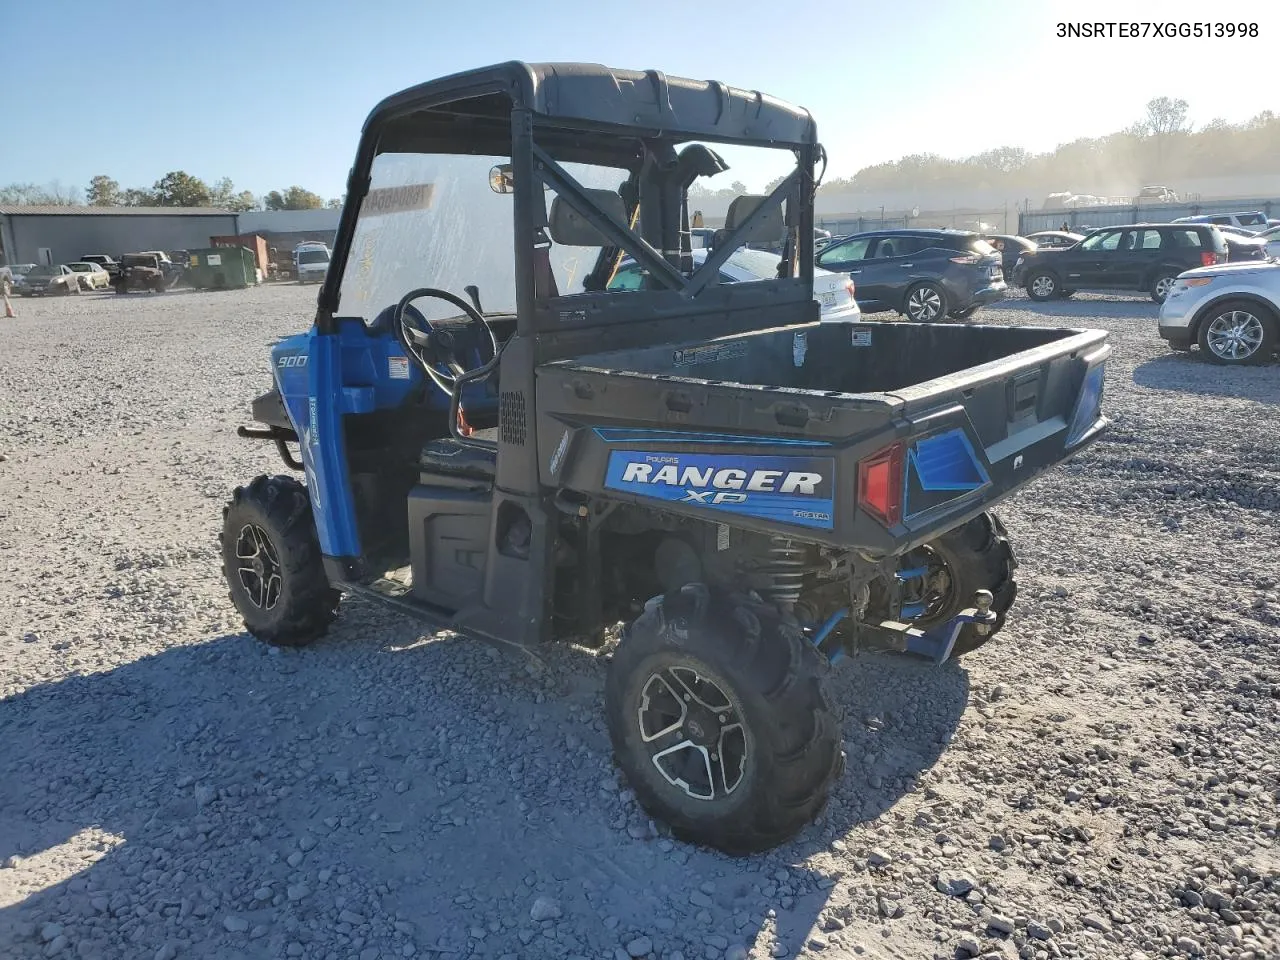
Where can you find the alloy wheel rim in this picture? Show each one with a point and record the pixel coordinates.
(1235, 335)
(258, 567)
(1042, 286)
(1162, 287)
(925, 304)
(693, 732)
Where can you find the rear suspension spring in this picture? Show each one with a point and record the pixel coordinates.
(786, 570)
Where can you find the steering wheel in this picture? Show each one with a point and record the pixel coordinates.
(419, 337)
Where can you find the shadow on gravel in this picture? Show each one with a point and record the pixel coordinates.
(353, 796)
(1190, 373)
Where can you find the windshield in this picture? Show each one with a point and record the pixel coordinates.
(42, 272)
(313, 256)
(432, 220)
(81, 267)
(1251, 220)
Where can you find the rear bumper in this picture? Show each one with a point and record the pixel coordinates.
(989, 294)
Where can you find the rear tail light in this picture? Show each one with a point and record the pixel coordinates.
(850, 287)
(880, 484)
(970, 258)
(1209, 258)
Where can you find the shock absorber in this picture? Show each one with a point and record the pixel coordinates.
(785, 569)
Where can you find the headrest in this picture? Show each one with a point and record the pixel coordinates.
(568, 227)
(768, 229)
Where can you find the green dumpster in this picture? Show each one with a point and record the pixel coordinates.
(221, 268)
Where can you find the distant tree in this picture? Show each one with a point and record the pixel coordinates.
(295, 198)
(28, 194)
(223, 194)
(1165, 116)
(103, 192)
(335, 203)
(134, 197)
(180, 189)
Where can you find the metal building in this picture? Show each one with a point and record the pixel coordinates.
(53, 234)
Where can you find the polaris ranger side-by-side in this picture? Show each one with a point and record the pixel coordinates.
(495, 440)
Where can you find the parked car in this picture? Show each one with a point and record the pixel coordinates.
(927, 275)
(108, 263)
(1254, 220)
(1232, 312)
(55, 281)
(1272, 238)
(91, 275)
(1052, 240)
(1241, 248)
(17, 272)
(1156, 194)
(1145, 257)
(311, 261)
(140, 271)
(1010, 248)
(833, 291)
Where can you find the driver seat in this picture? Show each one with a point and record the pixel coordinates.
(445, 455)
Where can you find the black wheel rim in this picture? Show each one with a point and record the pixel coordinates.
(693, 733)
(258, 567)
(931, 594)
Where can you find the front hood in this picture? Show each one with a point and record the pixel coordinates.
(1233, 269)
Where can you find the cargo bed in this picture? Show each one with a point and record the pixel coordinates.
(1014, 400)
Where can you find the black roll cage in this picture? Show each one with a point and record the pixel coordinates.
(492, 112)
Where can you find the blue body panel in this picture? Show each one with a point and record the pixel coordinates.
(322, 379)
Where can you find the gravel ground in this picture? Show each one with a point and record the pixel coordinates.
(169, 787)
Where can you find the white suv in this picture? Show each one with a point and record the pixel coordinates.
(1231, 310)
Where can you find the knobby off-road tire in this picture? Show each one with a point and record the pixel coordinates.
(977, 556)
(271, 559)
(724, 673)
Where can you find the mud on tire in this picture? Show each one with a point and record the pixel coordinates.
(730, 659)
(271, 559)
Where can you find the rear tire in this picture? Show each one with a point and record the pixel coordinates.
(976, 556)
(1161, 285)
(271, 560)
(1042, 287)
(721, 718)
(925, 303)
(1238, 333)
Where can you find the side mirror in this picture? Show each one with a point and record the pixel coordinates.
(501, 179)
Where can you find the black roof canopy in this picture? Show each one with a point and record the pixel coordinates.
(585, 95)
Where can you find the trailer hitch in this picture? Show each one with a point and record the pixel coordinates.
(938, 643)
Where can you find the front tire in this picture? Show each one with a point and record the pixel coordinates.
(1042, 287)
(1238, 333)
(720, 716)
(976, 556)
(925, 303)
(271, 559)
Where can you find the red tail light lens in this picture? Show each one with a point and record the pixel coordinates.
(880, 484)
(1208, 258)
(971, 258)
(850, 287)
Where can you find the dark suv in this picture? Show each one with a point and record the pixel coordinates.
(1143, 256)
(927, 275)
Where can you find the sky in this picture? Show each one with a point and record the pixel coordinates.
(273, 94)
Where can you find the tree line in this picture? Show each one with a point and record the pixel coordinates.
(175, 189)
(1160, 148)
